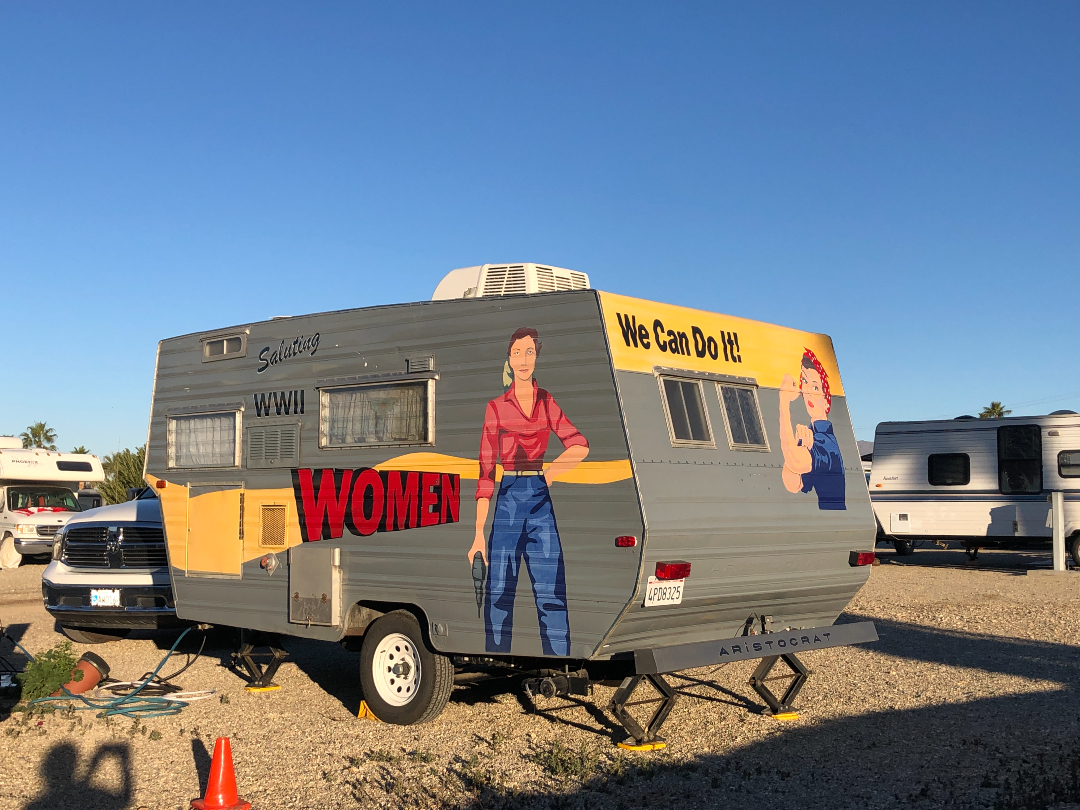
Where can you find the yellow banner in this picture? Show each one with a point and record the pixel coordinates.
(644, 334)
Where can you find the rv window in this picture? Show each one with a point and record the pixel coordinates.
(743, 418)
(686, 412)
(203, 440)
(223, 347)
(948, 469)
(386, 413)
(1069, 463)
(1020, 458)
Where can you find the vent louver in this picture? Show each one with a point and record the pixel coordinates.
(508, 279)
(273, 446)
(273, 526)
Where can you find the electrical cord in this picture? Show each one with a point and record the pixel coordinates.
(135, 704)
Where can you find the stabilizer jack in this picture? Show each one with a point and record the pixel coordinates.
(759, 680)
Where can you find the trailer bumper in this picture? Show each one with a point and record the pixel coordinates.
(707, 653)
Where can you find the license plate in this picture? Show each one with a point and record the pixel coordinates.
(664, 592)
(105, 597)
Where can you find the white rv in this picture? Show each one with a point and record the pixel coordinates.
(979, 481)
(37, 496)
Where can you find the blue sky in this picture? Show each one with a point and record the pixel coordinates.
(904, 177)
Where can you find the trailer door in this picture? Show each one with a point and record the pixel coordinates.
(215, 530)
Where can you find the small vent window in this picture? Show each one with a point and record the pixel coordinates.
(378, 414)
(1069, 463)
(75, 466)
(948, 470)
(222, 348)
(685, 406)
(743, 418)
(270, 447)
(203, 440)
(1020, 458)
(273, 526)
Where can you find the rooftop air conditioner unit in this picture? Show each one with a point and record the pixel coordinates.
(507, 279)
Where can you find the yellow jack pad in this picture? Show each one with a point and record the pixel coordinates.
(786, 716)
(650, 746)
(273, 688)
(365, 712)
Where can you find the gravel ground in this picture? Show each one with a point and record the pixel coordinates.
(968, 700)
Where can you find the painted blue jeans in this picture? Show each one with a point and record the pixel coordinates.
(524, 530)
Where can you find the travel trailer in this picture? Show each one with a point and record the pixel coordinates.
(577, 484)
(37, 497)
(979, 481)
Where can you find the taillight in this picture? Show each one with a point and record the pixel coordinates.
(672, 570)
(856, 558)
(160, 484)
(625, 541)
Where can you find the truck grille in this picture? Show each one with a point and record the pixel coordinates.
(139, 547)
(47, 531)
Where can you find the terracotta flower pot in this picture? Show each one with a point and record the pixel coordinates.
(93, 668)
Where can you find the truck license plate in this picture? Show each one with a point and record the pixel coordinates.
(105, 597)
(664, 592)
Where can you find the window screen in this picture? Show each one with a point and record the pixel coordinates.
(390, 413)
(1069, 463)
(686, 411)
(1020, 458)
(743, 417)
(948, 469)
(203, 440)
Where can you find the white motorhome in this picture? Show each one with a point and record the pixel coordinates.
(37, 496)
(979, 481)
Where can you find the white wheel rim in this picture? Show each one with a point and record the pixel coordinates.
(395, 668)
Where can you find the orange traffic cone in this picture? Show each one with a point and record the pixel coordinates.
(221, 789)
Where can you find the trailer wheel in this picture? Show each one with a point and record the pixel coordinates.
(903, 547)
(1074, 549)
(81, 635)
(402, 680)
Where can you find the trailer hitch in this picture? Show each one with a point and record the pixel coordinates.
(260, 677)
(644, 737)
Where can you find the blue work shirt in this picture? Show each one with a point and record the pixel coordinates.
(827, 473)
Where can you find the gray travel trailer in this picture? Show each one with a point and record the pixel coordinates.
(977, 481)
(573, 483)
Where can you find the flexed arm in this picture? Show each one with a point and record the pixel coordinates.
(794, 444)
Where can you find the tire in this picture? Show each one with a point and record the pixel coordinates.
(82, 635)
(1072, 544)
(402, 680)
(9, 557)
(903, 547)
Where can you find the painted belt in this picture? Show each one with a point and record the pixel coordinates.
(522, 472)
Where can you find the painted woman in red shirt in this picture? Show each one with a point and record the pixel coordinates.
(517, 426)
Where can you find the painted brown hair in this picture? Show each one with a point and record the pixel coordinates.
(524, 331)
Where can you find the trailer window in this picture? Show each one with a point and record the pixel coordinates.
(685, 408)
(203, 440)
(948, 469)
(378, 414)
(221, 348)
(743, 418)
(1069, 463)
(1020, 458)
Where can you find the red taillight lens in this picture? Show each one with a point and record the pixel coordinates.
(160, 483)
(625, 541)
(672, 570)
(856, 558)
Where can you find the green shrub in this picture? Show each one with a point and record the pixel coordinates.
(49, 671)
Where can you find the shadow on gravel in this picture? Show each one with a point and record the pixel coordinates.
(1016, 560)
(71, 785)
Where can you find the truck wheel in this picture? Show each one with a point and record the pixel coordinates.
(81, 635)
(903, 547)
(1073, 544)
(402, 680)
(9, 557)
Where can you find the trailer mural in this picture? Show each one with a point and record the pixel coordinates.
(517, 426)
(812, 459)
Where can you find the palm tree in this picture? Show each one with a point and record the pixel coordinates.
(123, 470)
(39, 435)
(994, 411)
(82, 451)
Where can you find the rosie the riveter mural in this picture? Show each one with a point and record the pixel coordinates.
(812, 458)
(517, 426)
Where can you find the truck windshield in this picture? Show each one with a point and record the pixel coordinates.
(33, 499)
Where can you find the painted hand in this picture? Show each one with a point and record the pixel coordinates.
(789, 389)
(804, 436)
(479, 544)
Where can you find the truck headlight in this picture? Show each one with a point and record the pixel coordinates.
(25, 528)
(58, 545)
